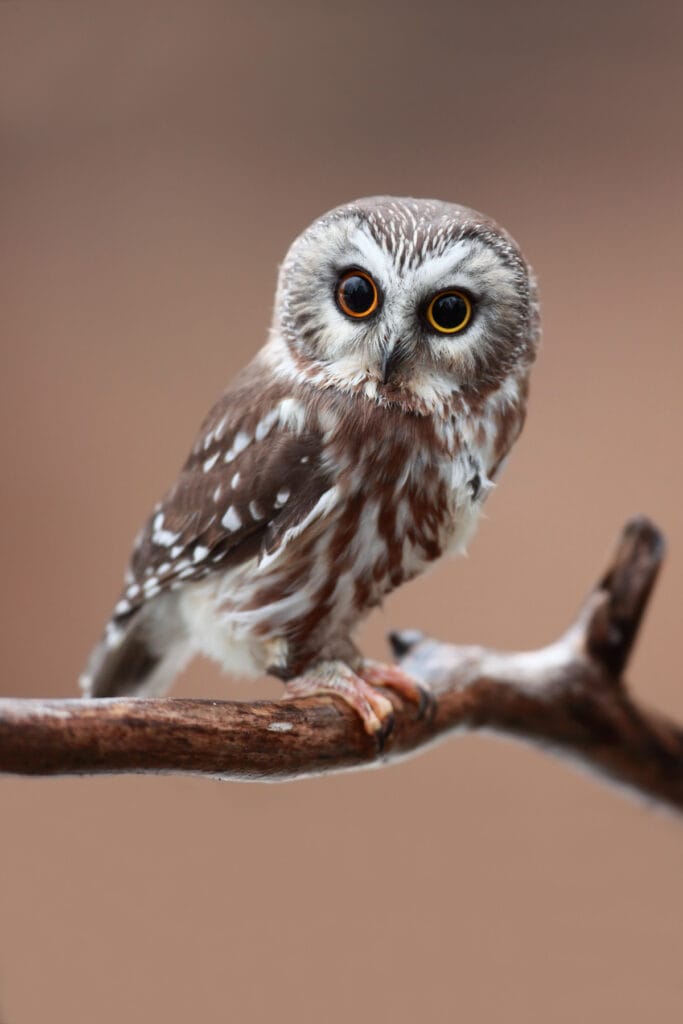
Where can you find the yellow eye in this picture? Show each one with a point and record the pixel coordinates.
(449, 312)
(357, 294)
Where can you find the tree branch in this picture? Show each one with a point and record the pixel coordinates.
(569, 696)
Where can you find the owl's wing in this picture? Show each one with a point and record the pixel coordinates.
(254, 479)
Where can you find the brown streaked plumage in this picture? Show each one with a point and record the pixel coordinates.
(354, 450)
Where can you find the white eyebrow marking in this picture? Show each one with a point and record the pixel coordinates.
(436, 267)
(375, 259)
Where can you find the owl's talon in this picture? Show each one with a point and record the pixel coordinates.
(427, 706)
(336, 678)
(385, 732)
(376, 673)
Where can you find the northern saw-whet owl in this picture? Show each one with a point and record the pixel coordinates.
(355, 449)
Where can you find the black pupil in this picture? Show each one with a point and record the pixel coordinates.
(358, 293)
(449, 311)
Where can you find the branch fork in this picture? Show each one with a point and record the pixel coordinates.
(570, 696)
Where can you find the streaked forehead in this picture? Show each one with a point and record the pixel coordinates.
(390, 237)
(413, 232)
(384, 258)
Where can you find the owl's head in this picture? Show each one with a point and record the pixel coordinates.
(408, 300)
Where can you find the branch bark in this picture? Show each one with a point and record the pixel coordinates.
(569, 696)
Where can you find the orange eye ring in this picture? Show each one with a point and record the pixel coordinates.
(447, 316)
(357, 294)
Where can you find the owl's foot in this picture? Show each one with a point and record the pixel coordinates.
(376, 673)
(336, 678)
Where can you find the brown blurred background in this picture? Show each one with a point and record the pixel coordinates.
(156, 161)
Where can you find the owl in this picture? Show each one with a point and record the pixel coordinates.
(357, 448)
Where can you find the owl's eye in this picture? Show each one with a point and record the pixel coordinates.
(357, 294)
(449, 312)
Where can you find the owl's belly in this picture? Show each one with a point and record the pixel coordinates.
(279, 614)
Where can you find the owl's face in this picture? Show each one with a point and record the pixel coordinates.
(407, 298)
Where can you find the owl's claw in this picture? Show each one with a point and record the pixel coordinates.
(336, 678)
(376, 673)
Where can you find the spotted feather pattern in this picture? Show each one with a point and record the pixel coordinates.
(318, 482)
(255, 470)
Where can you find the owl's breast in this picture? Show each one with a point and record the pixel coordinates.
(399, 495)
(409, 497)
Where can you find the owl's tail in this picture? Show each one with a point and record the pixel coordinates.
(140, 653)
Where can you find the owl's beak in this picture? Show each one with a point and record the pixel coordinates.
(394, 354)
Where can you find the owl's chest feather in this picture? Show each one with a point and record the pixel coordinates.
(404, 502)
(404, 494)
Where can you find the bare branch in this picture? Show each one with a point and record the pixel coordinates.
(569, 696)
